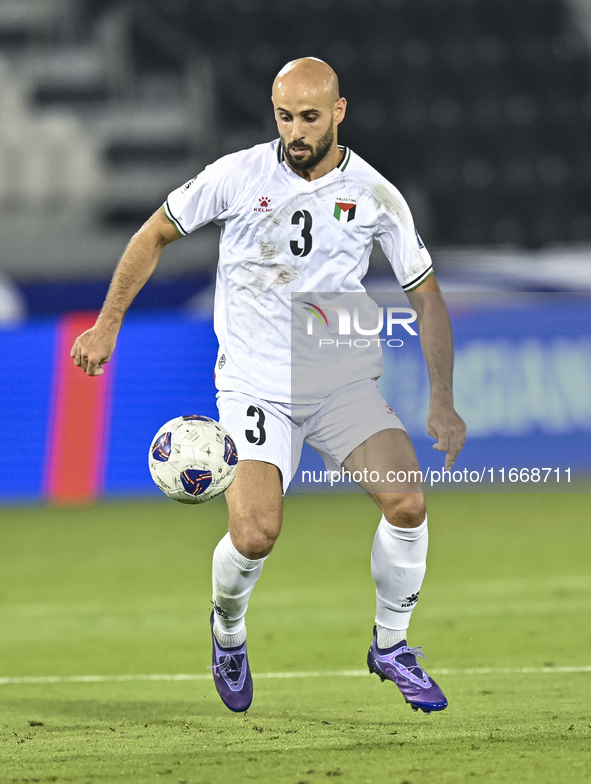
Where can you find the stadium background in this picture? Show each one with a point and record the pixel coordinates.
(478, 110)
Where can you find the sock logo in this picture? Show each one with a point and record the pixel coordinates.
(218, 611)
(411, 600)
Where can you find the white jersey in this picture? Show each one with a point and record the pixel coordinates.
(281, 235)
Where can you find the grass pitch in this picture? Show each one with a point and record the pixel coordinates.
(122, 591)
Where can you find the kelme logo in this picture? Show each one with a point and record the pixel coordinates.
(264, 205)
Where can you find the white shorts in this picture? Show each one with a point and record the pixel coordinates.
(275, 432)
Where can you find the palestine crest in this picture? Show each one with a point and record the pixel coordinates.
(344, 210)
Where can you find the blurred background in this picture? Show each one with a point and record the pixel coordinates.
(479, 111)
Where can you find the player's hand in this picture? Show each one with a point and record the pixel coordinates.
(92, 349)
(444, 424)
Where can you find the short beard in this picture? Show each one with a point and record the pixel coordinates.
(316, 155)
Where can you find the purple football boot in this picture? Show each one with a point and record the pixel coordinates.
(231, 674)
(399, 665)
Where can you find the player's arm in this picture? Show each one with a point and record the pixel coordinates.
(95, 346)
(443, 423)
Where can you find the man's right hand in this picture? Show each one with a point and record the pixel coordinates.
(92, 349)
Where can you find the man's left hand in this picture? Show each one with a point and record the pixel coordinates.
(444, 424)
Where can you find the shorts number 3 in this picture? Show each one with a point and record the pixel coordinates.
(259, 437)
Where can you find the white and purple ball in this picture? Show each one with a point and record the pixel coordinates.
(193, 459)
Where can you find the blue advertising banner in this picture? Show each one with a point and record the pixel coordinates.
(522, 381)
(522, 385)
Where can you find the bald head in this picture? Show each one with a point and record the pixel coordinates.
(308, 110)
(308, 77)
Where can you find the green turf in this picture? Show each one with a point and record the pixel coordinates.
(124, 589)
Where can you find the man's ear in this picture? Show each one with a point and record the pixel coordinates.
(340, 108)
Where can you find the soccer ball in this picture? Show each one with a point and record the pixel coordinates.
(192, 459)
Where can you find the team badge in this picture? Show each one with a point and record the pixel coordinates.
(344, 210)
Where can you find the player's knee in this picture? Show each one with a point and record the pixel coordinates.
(255, 535)
(405, 510)
(255, 547)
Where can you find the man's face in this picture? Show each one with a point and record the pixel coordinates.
(307, 132)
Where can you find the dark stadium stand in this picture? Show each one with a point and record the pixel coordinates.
(481, 109)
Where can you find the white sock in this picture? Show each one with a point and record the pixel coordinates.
(234, 578)
(398, 563)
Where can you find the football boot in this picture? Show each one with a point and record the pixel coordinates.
(399, 665)
(231, 674)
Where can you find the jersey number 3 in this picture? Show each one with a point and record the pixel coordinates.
(305, 233)
(258, 438)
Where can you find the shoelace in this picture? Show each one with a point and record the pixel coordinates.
(416, 652)
(413, 651)
(230, 663)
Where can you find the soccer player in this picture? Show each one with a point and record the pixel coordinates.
(301, 214)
